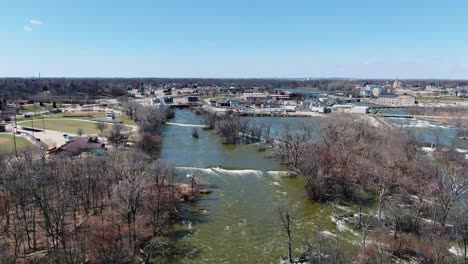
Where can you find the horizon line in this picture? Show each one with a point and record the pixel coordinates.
(235, 78)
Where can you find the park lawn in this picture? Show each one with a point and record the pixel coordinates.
(63, 125)
(29, 108)
(61, 115)
(126, 120)
(7, 143)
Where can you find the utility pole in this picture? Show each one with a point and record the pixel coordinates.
(14, 133)
(43, 117)
(32, 122)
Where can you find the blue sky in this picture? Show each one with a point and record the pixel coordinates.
(238, 38)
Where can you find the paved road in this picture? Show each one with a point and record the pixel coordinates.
(134, 128)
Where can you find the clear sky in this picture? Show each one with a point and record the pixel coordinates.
(234, 38)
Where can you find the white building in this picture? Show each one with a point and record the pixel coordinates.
(351, 109)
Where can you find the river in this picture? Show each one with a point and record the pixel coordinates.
(237, 223)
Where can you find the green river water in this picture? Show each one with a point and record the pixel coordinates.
(237, 223)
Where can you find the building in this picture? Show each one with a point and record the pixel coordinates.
(366, 91)
(351, 109)
(358, 110)
(82, 145)
(227, 103)
(341, 108)
(255, 98)
(374, 91)
(402, 100)
(396, 84)
(320, 109)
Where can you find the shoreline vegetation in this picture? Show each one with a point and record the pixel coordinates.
(421, 211)
(112, 208)
(119, 207)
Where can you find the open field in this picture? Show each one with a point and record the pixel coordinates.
(7, 143)
(79, 115)
(126, 120)
(29, 108)
(63, 125)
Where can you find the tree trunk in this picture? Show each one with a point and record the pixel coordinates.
(381, 196)
(289, 246)
(360, 218)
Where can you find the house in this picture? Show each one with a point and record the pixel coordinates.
(82, 145)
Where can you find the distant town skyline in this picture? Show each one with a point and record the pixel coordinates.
(235, 39)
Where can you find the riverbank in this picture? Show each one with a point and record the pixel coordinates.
(238, 221)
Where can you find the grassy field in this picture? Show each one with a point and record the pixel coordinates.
(29, 108)
(126, 119)
(64, 125)
(7, 143)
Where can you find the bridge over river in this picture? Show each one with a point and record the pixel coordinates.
(396, 115)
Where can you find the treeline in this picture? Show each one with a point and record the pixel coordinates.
(421, 211)
(27, 88)
(151, 122)
(20, 88)
(233, 129)
(457, 116)
(101, 209)
(113, 208)
(439, 111)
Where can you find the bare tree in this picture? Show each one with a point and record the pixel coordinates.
(117, 136)
(101, 126)
(287, 214)
(292, 143)
(150, 119)
(460, 230)
(150, 143)
(134, 173)
(452, 185)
